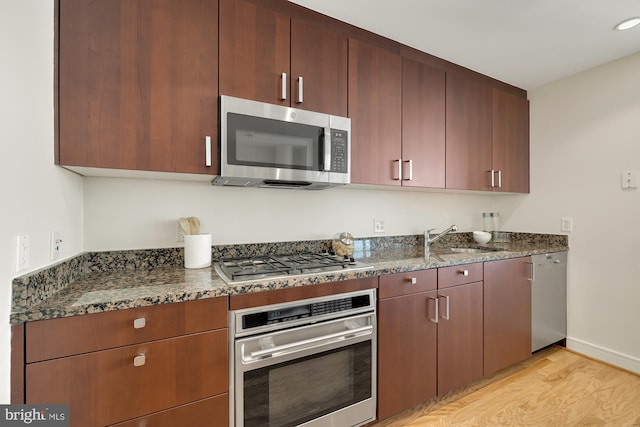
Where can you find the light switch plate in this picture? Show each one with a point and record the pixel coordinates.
(629, 180)
(378, 225)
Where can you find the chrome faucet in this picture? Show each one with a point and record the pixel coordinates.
(428, 241)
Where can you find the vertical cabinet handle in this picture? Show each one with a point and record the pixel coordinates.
(397, 173)
(435, 300)
(446, 299)
(533, 272)
(283, 96)
(139, 323)
(139, 360)
(408, 176)
(300, 90)
(207, 148)
(499, 178)
(493, 178)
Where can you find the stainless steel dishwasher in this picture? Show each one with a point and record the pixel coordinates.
(549, 299)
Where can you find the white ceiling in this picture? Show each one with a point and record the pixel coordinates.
(526, 43)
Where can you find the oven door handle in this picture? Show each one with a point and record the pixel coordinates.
(317, 341)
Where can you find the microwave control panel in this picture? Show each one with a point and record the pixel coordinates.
(339, 151)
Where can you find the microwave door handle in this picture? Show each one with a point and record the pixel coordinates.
(326, 142)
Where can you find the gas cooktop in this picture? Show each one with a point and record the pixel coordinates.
(234, 270)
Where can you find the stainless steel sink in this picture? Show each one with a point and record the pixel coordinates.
(470, 250)
(456, 250)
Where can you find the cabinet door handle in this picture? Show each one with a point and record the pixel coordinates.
(435, 300)
(493, 179)
(300, 90)
(464, 272)
(139, 360)
(446, 299)
(408, 176)
(139, 323)
(283, 96)
(207, 149)
(499, 178)
(397, 176)
(413, 280)
(533, 272)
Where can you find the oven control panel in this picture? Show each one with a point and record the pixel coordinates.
(299, 311)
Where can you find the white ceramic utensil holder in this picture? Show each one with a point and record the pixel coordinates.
(197, 250)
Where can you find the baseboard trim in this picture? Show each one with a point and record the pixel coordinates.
(606, 355)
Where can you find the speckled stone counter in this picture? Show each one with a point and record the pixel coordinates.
(106, 281)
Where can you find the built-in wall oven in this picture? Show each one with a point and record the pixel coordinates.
(310, 362)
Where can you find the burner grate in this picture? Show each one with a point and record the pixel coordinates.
(277, 265)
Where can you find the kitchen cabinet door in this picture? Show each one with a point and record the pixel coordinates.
(407, 343)
(511, 141)
(507, 313)
(259, 44)
(469, 137)
(138, 84)
(115, 385)
(319, 56)
(254, 52)
(423, 125)
(460, 336)
(375, 109)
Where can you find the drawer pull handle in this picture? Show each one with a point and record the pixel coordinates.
(464, 272)
(139, 323)
(413, 280)
(139, 360)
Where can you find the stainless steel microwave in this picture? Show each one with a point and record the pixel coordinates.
(265, 145)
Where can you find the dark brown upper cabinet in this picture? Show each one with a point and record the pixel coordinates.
(468, 153)
(510, 142)
(423, 125)
(487, 137)
(267, 56)
(375, 109)
(138, 84)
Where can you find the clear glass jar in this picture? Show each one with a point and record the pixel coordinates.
(491, 221)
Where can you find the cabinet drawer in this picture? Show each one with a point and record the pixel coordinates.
(212, 412)
(106, 387)
(49, 339)
(411, 282)
(459, 275)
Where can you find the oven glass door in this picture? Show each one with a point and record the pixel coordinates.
(297, 391)
(269, 143)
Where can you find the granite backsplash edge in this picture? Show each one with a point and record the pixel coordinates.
(33, 288)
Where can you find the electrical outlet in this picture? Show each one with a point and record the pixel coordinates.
(179, 234)
(55, 246)
(566, 224)
(378, 225)
(22, 252)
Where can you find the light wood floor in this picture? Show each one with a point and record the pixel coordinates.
(554, 388)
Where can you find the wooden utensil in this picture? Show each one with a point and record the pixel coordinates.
(185, 225)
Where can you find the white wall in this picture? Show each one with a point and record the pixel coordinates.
(37, 196)
(131, 214)
(585, 131)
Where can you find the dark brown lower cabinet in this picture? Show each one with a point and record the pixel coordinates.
(407, 341)
(211, 412)
(507, 315)
(459, 336)
(110, 386)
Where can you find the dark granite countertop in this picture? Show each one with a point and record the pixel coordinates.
(122, 288)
